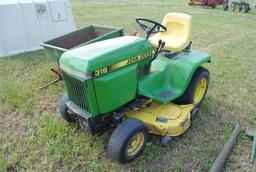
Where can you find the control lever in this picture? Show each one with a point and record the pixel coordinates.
(161, 45)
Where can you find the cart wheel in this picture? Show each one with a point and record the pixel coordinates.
(197, 88)
(128, 140)
(64, 110)
(166, 140)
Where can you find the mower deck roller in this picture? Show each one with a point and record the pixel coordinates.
(140, 85)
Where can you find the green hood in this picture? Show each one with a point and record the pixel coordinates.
(89, 58)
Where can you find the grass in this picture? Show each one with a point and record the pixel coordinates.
(33, 137)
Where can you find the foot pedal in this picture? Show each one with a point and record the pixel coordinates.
(165, 94)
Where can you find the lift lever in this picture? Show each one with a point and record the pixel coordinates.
(161, 45)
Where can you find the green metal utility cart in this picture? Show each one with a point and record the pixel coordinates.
(54, 48)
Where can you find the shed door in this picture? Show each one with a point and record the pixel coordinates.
(58, 11)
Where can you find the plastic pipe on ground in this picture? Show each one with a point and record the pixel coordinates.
(222, 157)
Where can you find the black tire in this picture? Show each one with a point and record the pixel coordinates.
(64, 110)
(243, 8)
(166, 140)
(188, 96)
(122, 137)
(247, 9)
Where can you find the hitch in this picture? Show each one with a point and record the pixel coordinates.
(59, 77)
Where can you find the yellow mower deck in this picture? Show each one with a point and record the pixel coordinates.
(164, 118)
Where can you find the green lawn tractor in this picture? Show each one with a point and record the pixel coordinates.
(139, 85)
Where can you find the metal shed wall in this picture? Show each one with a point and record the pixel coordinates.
(27, 23)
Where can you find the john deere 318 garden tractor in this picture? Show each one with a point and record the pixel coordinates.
(140, 85)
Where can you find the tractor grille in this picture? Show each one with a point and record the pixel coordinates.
(76, 89)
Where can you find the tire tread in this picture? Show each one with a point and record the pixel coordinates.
(121, 135)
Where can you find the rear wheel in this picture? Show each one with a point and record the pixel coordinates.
(197, 88)
(128, 140)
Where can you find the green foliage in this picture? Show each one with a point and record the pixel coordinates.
(3, 162)
(12, 95)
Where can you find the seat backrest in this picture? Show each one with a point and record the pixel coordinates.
(179, 28)
(178, 23)
(178, 34)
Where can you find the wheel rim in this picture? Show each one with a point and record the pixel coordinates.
(200, 90)
(136, 144)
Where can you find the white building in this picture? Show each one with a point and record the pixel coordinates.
(24, 24)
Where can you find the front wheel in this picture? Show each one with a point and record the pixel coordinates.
(197, 88)
(64, 110)
(128, 140)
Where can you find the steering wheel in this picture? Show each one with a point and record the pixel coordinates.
(157, 27)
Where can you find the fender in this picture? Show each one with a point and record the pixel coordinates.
(170, 77)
